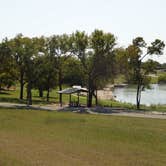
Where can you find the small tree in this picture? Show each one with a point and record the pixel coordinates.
(137, 53)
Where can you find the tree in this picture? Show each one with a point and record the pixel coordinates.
(121, 66)
(45, 74)
(7, 67)
(18, 52)
(30, 53)
(96, 55)
(137, 53)
(59, 46)
(24, 51)
(73, 72)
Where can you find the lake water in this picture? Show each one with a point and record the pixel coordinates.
(155, 95)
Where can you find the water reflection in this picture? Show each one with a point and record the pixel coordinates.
(155, 95)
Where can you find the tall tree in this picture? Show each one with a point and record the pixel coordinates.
(40, 64)
(137, 53)
(18, 51)
(96, 55)
(7, 67)
(59, 46)
(30, 54)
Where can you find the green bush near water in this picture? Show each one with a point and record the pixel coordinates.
(162, 78)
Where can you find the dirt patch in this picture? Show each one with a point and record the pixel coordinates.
(105, 94)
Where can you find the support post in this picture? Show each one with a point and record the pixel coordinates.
(70, 99)
(78, 95)
(61, 100)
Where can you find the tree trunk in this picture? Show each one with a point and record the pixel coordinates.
(90, 96)
(139, 90)
(21, 85)
(138, 96)
(29, 94)
(96, 98)
(60, 85)
(40, 92)
(139, 84)
(90, 92)
(0, 86)
(60, 95)
(48, 88)
(48, 94)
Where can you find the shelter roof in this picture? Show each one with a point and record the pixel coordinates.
(74, 89)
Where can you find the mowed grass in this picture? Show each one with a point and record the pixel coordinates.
(42, 138)
(12, 96)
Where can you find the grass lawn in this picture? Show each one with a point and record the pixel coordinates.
(12, 96)
(109, 103)
(63, 138)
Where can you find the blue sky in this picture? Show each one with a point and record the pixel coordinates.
(126, 19)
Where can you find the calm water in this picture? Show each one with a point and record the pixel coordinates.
(155, 95)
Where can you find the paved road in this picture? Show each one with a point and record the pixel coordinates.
(115, 112)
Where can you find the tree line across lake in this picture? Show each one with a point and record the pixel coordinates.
(77, 59)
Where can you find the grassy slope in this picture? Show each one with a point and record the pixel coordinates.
(54, 138)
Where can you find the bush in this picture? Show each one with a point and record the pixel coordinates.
(162, 78)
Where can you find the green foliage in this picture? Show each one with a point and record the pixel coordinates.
(95, 53)
(157, 47)
(73, 72)
(139, 71)
(7, 67)
(162, 78)
(103, 56)
(122, 67)
(89, 60)
(45, 73)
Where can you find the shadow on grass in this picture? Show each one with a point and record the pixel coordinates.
(4, 93)
(12, 100)
(44, 98)
(24, 101)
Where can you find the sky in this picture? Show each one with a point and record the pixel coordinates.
(126, 19)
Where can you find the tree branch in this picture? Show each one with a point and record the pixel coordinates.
(143, 57)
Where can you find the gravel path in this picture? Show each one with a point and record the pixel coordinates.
(135, 114)
(51, 107)
(95, 110)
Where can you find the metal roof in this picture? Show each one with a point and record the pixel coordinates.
(74, 89)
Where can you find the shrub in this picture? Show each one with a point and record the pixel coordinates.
(162, 78)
